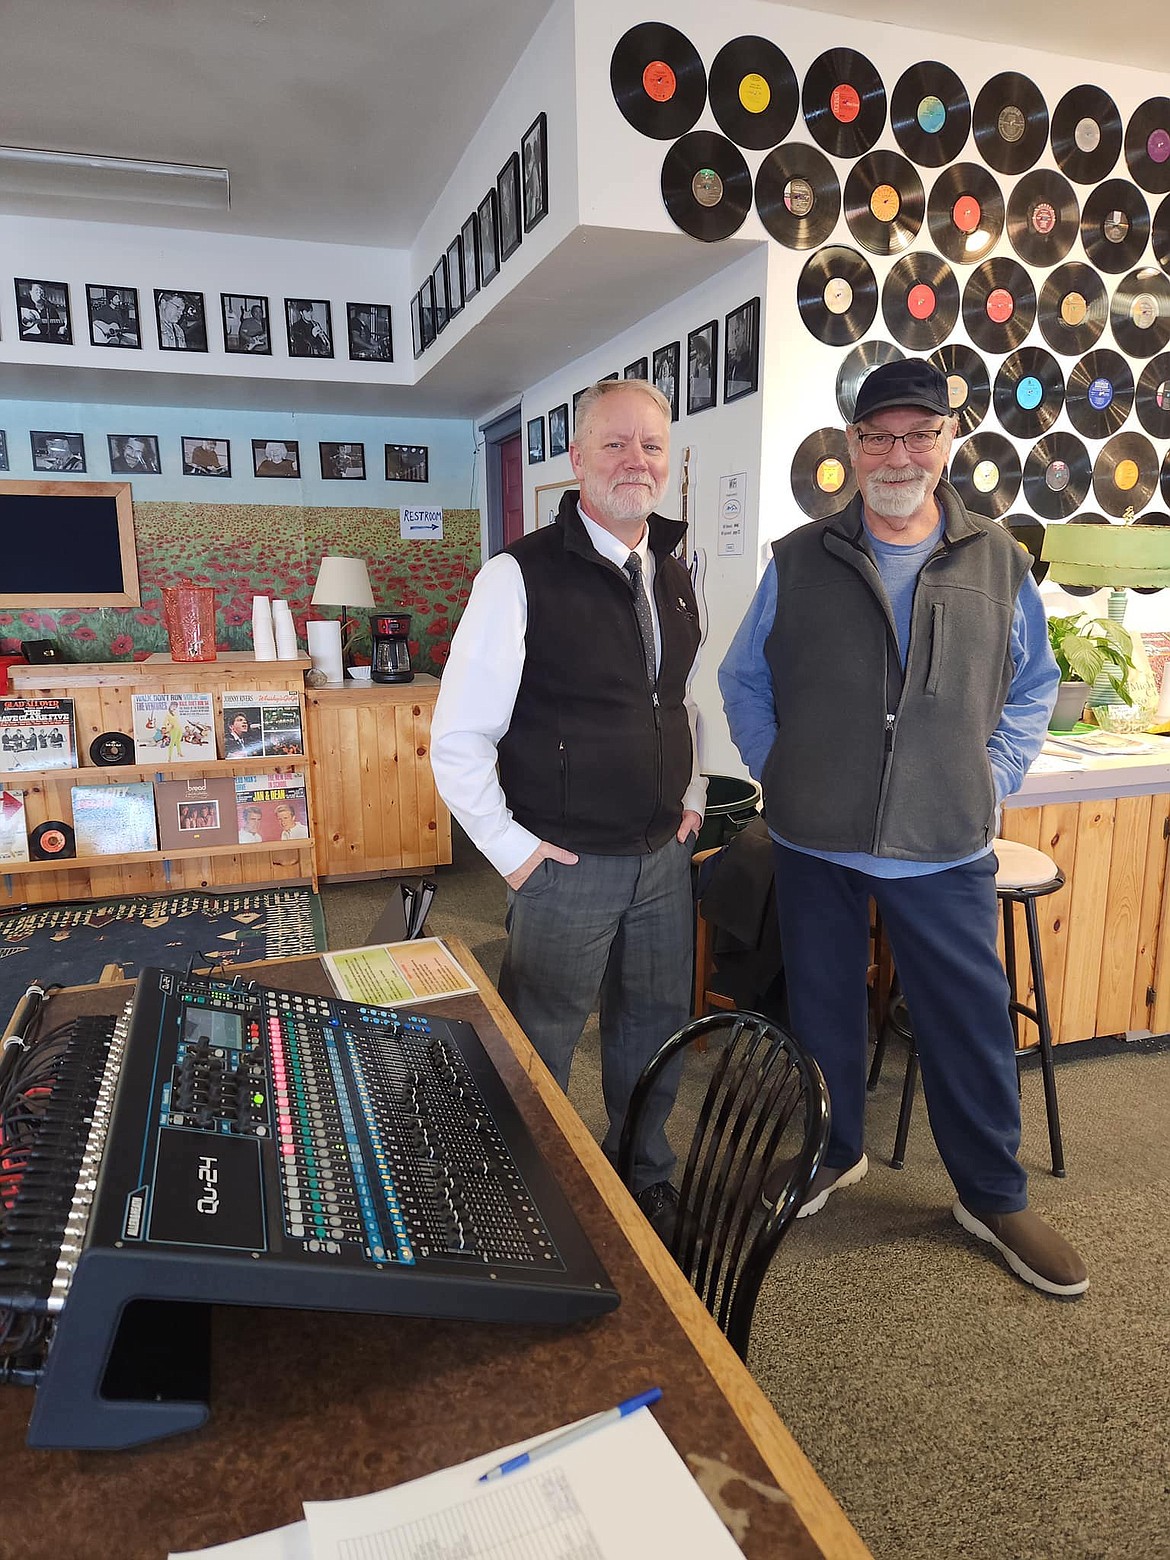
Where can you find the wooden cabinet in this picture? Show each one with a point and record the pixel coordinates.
(375, 806)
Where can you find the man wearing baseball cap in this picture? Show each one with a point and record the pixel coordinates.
(889, 686)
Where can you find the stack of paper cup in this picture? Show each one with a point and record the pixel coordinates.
(263, 634)
(325, 648)
(286, 634)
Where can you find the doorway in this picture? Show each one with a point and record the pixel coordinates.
(504, 474)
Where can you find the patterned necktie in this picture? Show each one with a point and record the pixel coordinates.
(633, 567)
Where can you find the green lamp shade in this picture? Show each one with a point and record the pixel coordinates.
(1108, 556)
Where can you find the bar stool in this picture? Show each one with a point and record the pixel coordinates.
(1023, 876)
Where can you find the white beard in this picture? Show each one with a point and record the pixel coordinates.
(895, 498)
(623, 501)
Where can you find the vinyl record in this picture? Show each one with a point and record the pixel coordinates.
(884, 202)
(837, 295)
(797, 195)
(1125, 473)
(1074, 308)
(1030, 535)
(1139, 313)
(1153, 397)
(658, 80)
(1115, 225)
(1164, 480)
(1151, 517)
(706, 186)
(1010, 122)
(753, 92)
(920, 300)
(844, 102)
(822, 473)
(999, 305)
(1086, 134)
(1160, 234)
(1043, 217)
(1099, 394)
(965, 213)
(112, 748)
(1147, 145)
(1057, 473)
(930, 113)
(985, 472)
(968, 385)
(1028, 392)
(51, 841)
(856, 367)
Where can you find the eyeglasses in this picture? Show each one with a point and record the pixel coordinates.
(919, 441)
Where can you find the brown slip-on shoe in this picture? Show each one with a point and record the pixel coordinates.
(1033, 1250)
(828, 1179)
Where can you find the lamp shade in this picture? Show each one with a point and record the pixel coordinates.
(343, 582)
(1108, 556)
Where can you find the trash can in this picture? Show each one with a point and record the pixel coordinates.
(731, 806)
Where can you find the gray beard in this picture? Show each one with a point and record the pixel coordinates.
(896, 500)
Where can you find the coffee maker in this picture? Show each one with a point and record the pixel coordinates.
(390, 653)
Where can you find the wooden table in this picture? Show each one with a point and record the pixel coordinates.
(307, 1405)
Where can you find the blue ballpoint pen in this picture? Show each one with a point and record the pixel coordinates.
(608, 1416)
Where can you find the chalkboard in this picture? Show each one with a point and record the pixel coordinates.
(67, 544)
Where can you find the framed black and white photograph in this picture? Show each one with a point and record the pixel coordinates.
(58, 451)
(245, 323)
(309, 326)
(702, 367)
(181, 321)
(134, 454)
(534, 155)
(416, 324)
(470, 237)
(535, 441)
(207, 458)
(343, 462)
(666, 375)
(371, 338)
(42, 310)
(113, 316)
(454, 276)
(439, 280)
(576, 398)
(426, 294)
(741, 351)
(558, 430)
(488, 221)
(3, 451)
(276, 458)
(406, 463)
(639, 369)
(508, 197)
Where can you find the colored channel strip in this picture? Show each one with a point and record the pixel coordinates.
(372, 1017)
(361, 1181)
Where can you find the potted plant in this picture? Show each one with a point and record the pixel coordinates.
(1085, 648)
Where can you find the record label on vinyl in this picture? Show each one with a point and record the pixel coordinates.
(1043, 217)
(931, 115)
(1087, 135)
(707, 187)
(885, 203)
(1029, 393)
(1073, 308)
(1115, 226)
(799, 197)
(920, 301)
(754, 93)
(838, 295)
(659, 82)
(1000, 305)
(844, 103)
(958, 391)
(831, 475)
(985, 476)
(1011, 124)
(966, 213)
(1057, 476)
(1100, 394)
(1126, 474)
(986, 472)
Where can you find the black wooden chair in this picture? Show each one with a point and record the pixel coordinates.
(765, 1103)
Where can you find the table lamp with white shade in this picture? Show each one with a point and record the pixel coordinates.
(343, 583)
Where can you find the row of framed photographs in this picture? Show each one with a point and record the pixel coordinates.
(137, 455)
(741, 374)
(492, 234)
(180, 318)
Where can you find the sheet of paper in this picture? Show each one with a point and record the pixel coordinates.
(393, 973)
(286, 1543)
(1117, 743)
(1050, 763)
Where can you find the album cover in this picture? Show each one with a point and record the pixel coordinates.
(37, 734)
(271, 808)
(171, 728)
(262, 724)
(113, 820)
(13, 827)
(196, 812)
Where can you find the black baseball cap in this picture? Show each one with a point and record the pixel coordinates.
(908, 382)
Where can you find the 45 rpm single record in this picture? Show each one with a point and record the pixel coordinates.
(1099, 394)
(1043, 217)
(822, 473)
(1115, 224)
(753, 92)
(1057, 473)
(837, 295)
(856, 367)
(844, 102)
(1125, 473)
(1139, 313)
(930, 113)
(706, 186)
(968, 386)
(1160, 234)
(797, 195)
(920, 300)
(658, 80)
(52, 841)
(1074, 308)
(965, 213)
(985, 472)
(1153, 397)
(1086, 134)
(1028, 392)
(884, 202)
(1147, 145)
(1030, 535)
(112, 747)
(999, 305)
(1010, 122)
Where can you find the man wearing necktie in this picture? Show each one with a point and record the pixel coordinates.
(563, 742)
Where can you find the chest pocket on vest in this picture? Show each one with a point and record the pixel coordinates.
(937, 648)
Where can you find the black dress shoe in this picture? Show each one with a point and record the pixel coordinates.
(659, 1202)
